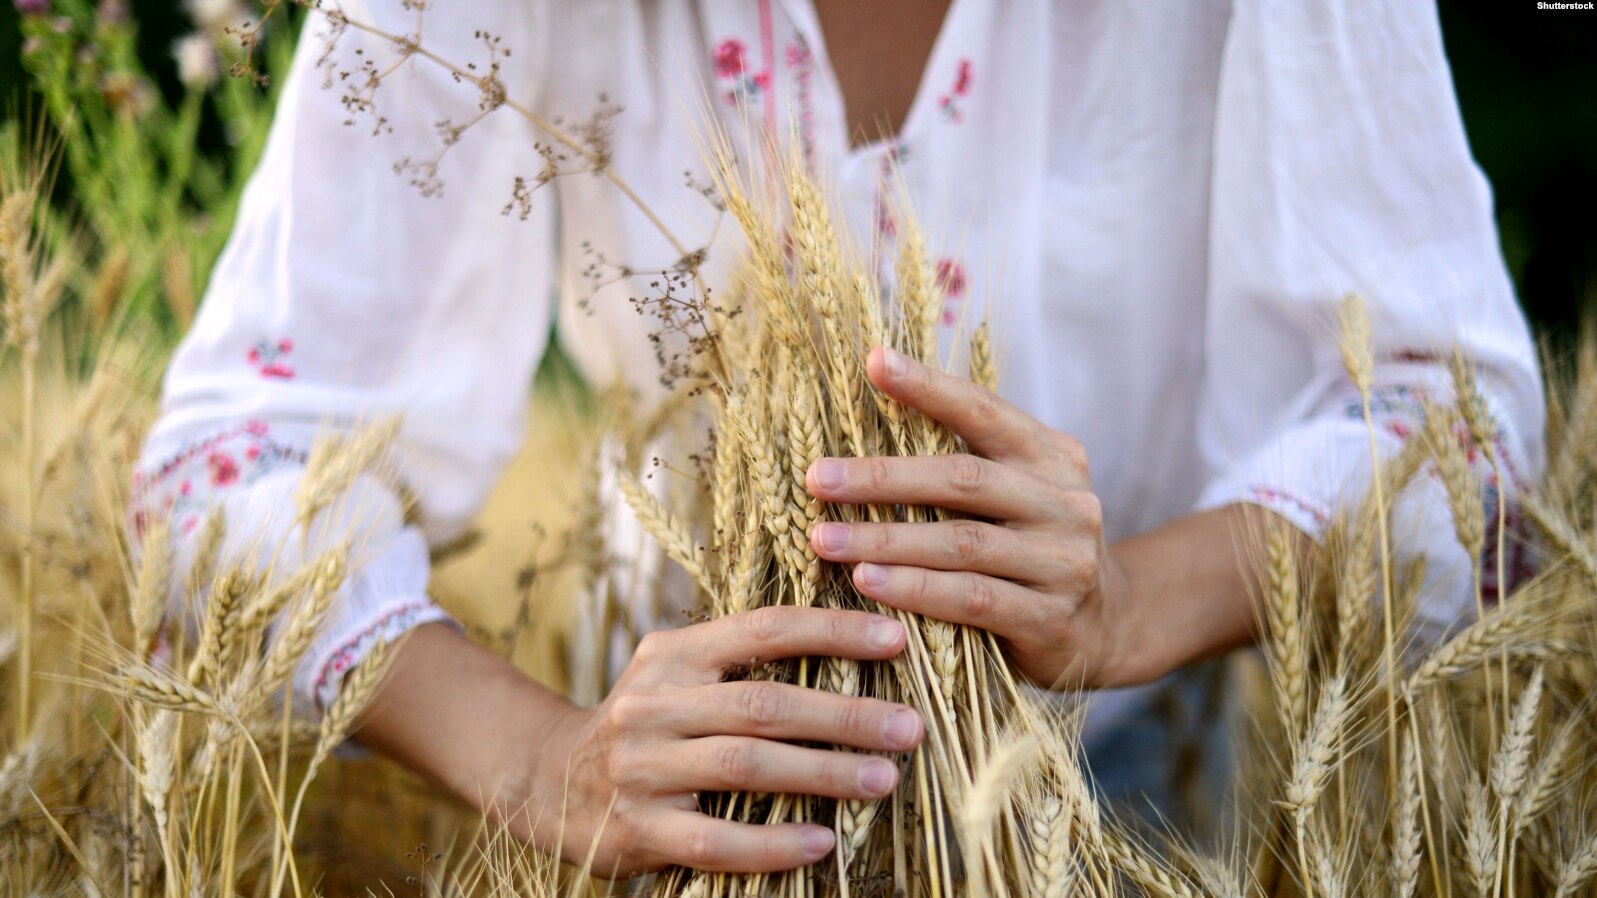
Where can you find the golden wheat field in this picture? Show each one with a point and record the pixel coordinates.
(123, 777)
(1372, 763)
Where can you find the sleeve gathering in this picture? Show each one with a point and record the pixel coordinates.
(373, 273)
(1341, 167)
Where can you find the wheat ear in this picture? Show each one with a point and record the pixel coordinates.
(1406, 827)
(1472, 645)
(1284, 613)
(152, 586)
(1511, 763)
(666, 530)
(1578, 870)
(1480, 838)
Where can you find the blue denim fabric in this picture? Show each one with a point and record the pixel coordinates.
(1168, 761)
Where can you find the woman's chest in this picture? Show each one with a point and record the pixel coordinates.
(1059, 187)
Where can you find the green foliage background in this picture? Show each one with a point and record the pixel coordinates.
(1526, 79)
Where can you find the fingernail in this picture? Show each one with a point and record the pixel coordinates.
(894, 362)
(901, 727)
(877, 777)
(828, 473)
(871, 576)
(817, 841)
(883, 632)
(832, 536)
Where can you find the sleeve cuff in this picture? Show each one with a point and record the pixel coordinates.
(1314, 471)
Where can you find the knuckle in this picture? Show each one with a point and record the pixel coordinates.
(627, 711)
(1085, 508)
(762, 704)
(966, 474)
(760, 626)
(853, 716)
(840, 628)
(1086, 572)
(698, 848)
(882, 536)
(1070, 452)
(985, 407)
(878, 473)
(980, 597)
(652, 646)
(734, 761)
(968, 539)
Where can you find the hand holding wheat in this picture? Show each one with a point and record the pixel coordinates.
(1031, 566)
(630, 769)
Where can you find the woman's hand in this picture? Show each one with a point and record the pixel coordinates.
(1031, 566)
(630, 769)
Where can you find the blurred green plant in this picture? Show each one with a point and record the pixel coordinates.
(149, 179)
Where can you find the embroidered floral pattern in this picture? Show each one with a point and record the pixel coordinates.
(269, 358)
(396, 620)
(886, 225)
(731, 62)
(236, 456)
(802, 62)
(951, 281)
(1390, 399)
(1270, 495)
(952, 103)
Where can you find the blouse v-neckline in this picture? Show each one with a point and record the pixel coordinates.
(808, 23)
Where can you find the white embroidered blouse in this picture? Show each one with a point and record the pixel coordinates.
(1158, 204)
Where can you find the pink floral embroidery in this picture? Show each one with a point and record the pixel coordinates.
(1269, 495)
(730, 58)
(802, 62)
(169, 490)
(394, 620)
(950, 102)
(731, 62)
(268, 358)
(951, 280)
(224, 470)
(892, 158)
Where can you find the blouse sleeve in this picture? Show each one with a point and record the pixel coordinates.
(1341, 166)
(378, 268)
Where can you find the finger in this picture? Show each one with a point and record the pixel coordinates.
(769, 634)
(945, 545)
(993, 427)
(965, 483)
(782, 711)
(956, 596)
(746, 764)
(705, 843)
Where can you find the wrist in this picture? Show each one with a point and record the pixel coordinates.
(469, 721)
(1130, 655)
(1188, 592)
(523, 785)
